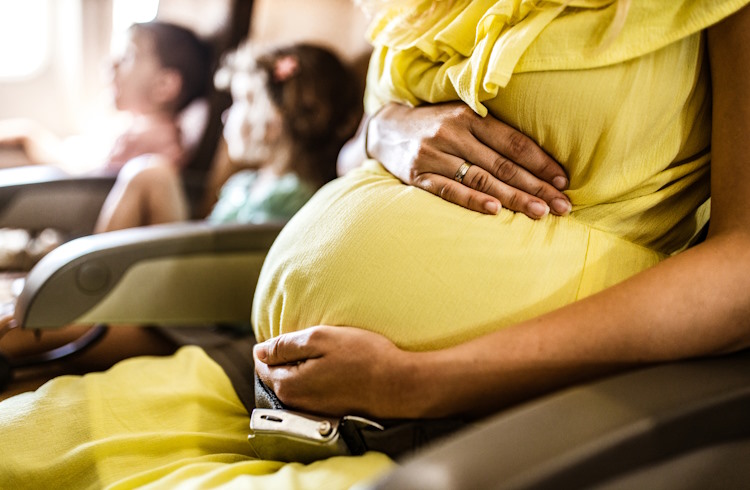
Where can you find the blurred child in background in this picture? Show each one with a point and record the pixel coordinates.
(163, 68)
(293, 108)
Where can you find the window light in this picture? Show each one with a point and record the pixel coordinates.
(24, 35)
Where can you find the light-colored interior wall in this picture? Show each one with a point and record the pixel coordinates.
(204, 17)
(337, 24)
(64, 92)
(71, 91)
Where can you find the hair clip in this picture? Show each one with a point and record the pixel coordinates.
(285, 67)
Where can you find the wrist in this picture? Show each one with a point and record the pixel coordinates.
(423, 387)
(399, 387)
(449, 383)
(368, 140)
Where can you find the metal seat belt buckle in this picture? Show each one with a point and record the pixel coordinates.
(284, 435)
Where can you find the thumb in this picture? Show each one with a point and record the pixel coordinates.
(290, 348)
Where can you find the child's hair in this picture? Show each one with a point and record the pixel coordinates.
(317, 96)
(180, 49)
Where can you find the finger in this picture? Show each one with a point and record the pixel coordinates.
(515, 146)
(280, 379)
(518, 190)
(452, 191)
(478, 184)
(288, 348)
(264, 373)
(438, 176)
(540, 197)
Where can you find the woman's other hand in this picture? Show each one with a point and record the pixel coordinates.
(339, 371)
(427, 146)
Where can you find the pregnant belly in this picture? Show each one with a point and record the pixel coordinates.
(370, 252)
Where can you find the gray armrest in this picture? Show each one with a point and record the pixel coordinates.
(179, 274)
(37, 197)
(681, 425)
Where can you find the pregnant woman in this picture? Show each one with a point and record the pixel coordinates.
(417, 303)
(483, 309)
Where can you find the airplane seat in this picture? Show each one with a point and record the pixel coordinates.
(32, 197)
(673, 425)
(676, 425)
(273, 21)
(94, 290)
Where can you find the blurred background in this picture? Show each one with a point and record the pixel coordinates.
(55, 54)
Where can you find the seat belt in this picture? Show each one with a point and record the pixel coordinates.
(279, 434)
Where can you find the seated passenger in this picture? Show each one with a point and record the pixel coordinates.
(293, 108)
(162, 70)
(457, 311)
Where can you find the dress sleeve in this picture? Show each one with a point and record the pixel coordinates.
(469, 50)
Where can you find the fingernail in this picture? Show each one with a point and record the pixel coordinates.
(260, 352)
(561, 206)
(491, 207)
(538, 209)
(560, 183)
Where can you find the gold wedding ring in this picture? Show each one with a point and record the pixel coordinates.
(461, 172)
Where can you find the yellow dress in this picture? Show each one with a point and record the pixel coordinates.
(629, 121)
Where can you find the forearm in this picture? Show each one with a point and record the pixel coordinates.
(43, 147)
(693, 304)
(689, 305)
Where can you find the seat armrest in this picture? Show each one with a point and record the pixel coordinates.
(680, 425)
(37, 197)
(178, 274)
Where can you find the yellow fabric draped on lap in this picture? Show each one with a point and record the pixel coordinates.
(160, 423)
(628, 119)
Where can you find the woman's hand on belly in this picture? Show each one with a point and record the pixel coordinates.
(427, 147)
(339, 371)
